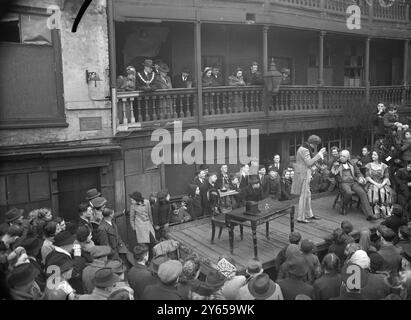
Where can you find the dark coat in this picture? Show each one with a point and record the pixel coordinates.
(291, 287)
(243, 182)
(109, 236)
(392, 257)
(273, 188)
(160, 291)
(194, 206)
(402, 177)
(378, 122)
(264, 183)
(217, 81)
(205, 203)
(285, 190)
(395, 222)
(376, 288)
(198, 182)
(327, 286)
(223, 181)
(254, 79)
(139, 277)
(179, 83)
(161, 212)
(390, 119)
(141, 85)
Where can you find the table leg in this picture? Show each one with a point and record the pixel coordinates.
(292, 218)
(267, 229)
(231, 235)
(254, 230)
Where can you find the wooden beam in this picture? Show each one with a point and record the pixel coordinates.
(367, 69)
(197, 47)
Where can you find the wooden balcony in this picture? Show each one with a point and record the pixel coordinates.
(137, 110)
(396, 13)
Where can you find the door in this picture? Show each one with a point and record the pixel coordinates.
(72, 188)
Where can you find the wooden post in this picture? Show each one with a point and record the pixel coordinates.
(266, 97)
(370, 12)
(112, 62)
(197, 44)
(405, 70)
(321, 69)
(367, 70)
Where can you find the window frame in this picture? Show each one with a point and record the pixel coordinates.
(60, 120)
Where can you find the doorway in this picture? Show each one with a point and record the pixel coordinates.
(72, 188)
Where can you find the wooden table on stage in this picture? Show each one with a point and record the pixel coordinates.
(270, 210)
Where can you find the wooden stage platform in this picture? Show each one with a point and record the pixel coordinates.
(195, 236)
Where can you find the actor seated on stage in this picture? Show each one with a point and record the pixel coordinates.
(351, 181)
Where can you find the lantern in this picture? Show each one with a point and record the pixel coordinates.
(273, 78)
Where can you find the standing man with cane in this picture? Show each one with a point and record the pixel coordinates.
(302, 176)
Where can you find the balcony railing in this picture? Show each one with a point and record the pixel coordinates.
(398, 12)
(137, 108)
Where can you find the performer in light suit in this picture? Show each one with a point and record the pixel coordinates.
(302, 176)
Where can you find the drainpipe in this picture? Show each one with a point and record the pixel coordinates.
(112, 63)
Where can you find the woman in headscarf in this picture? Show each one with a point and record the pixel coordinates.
(206, 78)
(236, 79)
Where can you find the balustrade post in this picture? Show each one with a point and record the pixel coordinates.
(370, 11)
(321, 68)
(132, 117)
(124, 106)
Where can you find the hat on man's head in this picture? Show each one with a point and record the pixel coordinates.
(105, 278)
(203, 167)
(98, 202)
(13, 214)
(254, 267)
(255, 63)
(397, 210)
(307, 246)
(117, 266)
(261, 166)
(32, 246)
(62, 261)
(157, 261)
(185, 70)
(99, 251)
(162, 194)
(261, 287)
(92, 194)
(215, 279)
(361, 258)
(164, 68)
(22, 275)
(212, 173)
(294, 237)
(148, 63)
(169, 271)
(387, 233)
(136, 196)
(64, 238)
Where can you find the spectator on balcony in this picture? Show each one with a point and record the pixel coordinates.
(253, 76)
(145, 78)
(391, 122)
(207, 77)
(157, 64)
(236, 79)
(217, 79)
(183, 79)
(127, 82)
(162, 80)
(379, 192)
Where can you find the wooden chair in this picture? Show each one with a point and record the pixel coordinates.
(354, 199)
(218, 220)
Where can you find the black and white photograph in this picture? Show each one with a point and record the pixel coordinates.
(201, 150)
